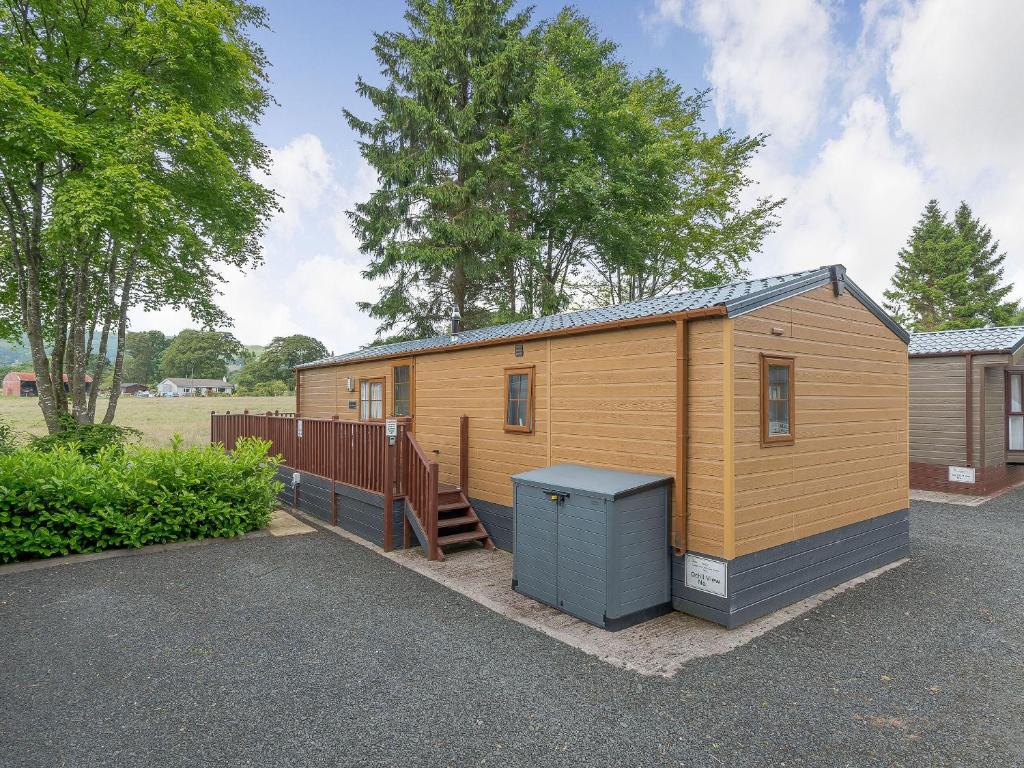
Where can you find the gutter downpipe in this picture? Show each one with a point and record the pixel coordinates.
(970, 410)
(679, 512)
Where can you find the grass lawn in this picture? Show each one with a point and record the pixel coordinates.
(159, 418)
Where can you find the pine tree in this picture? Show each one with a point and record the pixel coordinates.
(948, 275)
(437, 229)
(986, 301)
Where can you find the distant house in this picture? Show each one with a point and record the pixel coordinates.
(23, 384)
(194, 387)
(132, 388)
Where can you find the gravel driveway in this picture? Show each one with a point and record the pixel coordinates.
(311, 650)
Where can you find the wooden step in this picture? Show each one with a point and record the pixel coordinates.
(452, 506)
(454, 522)
(456, 538)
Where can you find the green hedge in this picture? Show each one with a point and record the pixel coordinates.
(64, 501)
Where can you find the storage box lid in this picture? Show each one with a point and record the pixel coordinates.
(594, 481)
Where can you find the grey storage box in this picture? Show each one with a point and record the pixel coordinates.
(593, 542)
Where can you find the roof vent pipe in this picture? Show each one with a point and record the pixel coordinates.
(456, 321)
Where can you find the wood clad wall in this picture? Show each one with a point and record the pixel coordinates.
(471, 382)
(706, 466)
(937, 410)
(993, 425)
(849, 461)
(323, 393)
(609, 401)
(613, 399)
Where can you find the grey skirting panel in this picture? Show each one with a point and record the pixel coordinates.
(284, 475)
(765, 581)
(315, 496)
(497, 519)
(361, 512)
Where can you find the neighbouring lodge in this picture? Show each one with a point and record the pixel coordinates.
(967, 410)
(725, 451)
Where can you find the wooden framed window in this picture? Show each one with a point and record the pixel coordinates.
(519, 399)
(778, 400)
(1015, 411)
(401, 390)
(371, 399)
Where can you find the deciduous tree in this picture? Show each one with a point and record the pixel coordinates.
(126, 156)
(199, 355)
(142, 355)
(277, 360)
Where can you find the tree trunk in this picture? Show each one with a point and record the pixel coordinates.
(108, 318)
(122, 327)
(33, 320)
(79, 353)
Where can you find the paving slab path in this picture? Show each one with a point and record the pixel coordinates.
(310, 650)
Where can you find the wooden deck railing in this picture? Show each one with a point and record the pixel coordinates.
(355, 453)
(421, 491)
(347, 452)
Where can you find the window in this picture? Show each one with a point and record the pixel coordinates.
(519, 399)
(777, 400)
(371, 399)
(401, 390)
(1015, 411)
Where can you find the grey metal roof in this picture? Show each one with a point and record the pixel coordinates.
(1006, 339)
(593, 481)
(737, 298)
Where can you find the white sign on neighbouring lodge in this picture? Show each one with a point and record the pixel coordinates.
(391, 428)
(298, 427)
(706, 575)
(961, 474)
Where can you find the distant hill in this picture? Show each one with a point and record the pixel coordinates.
(13, 355)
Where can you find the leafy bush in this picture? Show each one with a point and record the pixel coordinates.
(63, 501)
(276, 388)
(8, 438)
(88, 439)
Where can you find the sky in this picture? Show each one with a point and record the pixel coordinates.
(871, 108)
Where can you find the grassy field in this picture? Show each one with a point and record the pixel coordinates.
(159, 418)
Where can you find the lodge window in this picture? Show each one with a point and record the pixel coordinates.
(371, 399)
(1015, 412)
(519, 399)
(401, 390)
(778, 411)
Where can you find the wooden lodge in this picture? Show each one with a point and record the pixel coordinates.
(966, 411)
(778, 406)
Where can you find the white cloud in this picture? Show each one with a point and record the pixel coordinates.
(921, 102)
(953, 74)
(855, 205)
(662, 15)
(301, 173)
(770, 62)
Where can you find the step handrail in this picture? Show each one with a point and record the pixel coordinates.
(421, 491)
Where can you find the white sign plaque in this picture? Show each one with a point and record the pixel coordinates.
(391, 428)
(706, 575)
(298, 427)
(961, 474)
